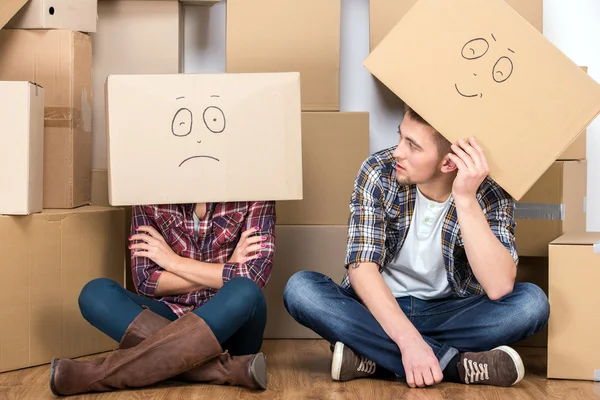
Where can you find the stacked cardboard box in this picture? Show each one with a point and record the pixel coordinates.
(304, 36)
(53, 240)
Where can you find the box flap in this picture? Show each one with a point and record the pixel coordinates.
(581, 238)
(8, 9)
(204, 138)
(478, 68)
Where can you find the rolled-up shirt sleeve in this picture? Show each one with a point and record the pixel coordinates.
(366, 224)
(145, 272)
(261, 214)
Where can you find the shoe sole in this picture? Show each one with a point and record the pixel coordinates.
(516, 359)
(336, 363)
(259, 370)
(52, 386)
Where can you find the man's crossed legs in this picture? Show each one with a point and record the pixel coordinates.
(467, 335)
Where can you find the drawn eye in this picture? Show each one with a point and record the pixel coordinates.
(502, 69)
(182, 122)
(214, 119)
(475, 48)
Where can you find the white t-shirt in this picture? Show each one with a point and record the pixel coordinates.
(418, 268)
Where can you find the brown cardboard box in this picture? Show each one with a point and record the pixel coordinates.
(21, 147)
(574, 325)
(553, 206)
(477, 68)
(61, 62)
(291, 36)
(534, 270)
(198, 128)
(47, 259)
(314, 248)
(384, 14)
(133, 37)
(8, 9)
(79, 15)
(334, 145)
(577, 150)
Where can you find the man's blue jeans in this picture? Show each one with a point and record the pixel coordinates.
(450, 326)
(237, 314)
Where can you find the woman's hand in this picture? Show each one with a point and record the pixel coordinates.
(248, 247)
(153, 246)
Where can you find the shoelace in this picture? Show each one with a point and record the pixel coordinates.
(475, 371)
(366, 366)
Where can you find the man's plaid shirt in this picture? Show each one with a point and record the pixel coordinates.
(381, 210)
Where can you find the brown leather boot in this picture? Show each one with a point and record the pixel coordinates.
(249, 371)
(182, 345)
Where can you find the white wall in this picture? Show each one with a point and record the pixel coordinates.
(571, 25)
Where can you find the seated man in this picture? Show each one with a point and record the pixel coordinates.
(430, 290)
(202, 266)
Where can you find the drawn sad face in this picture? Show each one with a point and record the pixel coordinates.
(183, 125)
(476, 49)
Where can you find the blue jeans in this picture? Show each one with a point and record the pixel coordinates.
(237, 314)
(450, 326)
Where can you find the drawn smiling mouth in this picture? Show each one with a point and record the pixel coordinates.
(192, 157)
(467, 95)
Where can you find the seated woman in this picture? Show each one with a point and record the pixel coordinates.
(200, 312)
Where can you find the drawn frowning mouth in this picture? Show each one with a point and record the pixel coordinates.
(467, 95)
(190, 158)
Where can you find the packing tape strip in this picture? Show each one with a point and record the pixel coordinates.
(597, 248)
(553, 212)
(597, 375)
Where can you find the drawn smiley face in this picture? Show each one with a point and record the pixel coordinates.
(182, 125)
(477, 48)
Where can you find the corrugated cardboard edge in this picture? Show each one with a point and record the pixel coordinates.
(9, 9)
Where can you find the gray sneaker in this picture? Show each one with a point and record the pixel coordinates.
(501, 366)
(347, 365)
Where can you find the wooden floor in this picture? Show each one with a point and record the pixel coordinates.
(299, 369)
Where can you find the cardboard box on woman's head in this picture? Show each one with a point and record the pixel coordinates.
(478, 68)
(187, 138)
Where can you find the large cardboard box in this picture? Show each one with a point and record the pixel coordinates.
(578, 149)
(204, 138)
(334, 145)
(534, 270)
(21, 147)
(553, 206)
(61, 62)
(384, 14)
(477, 68)
(133, 37)
(8, 9)
(47, 259)
(574, 325)
(291, 36)
(79, 15)
(314, 248)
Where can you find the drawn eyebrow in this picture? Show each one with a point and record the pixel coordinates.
(182, 97)
(511, 51)
(214, 95)
(493, 37)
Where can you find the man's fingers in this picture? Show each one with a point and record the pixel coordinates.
(482, 157)
(466, 159)
(438, 375)
(428, 377)
(410, 379)
(459, 163)
(419, 378)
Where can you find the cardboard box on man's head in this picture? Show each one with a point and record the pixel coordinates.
(186, 138)
(478, 68)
